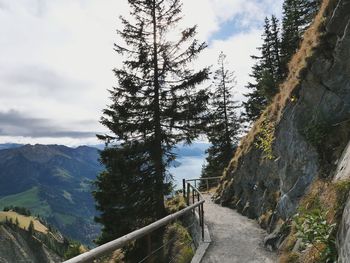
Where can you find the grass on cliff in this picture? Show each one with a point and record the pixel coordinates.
(23, 221)
(179, 244)
(287, 94)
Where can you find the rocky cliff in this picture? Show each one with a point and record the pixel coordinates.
(298, 146)
(16, 245)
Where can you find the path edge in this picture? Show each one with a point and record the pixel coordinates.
(203, 245)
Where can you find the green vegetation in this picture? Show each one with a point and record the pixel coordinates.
(73, 250)
(317, 221)
(62, 173)
(265, 139)
(29, 199)
(279, 45)
(156, 104)
(65, 219)
(20, 210)
(178, 248)
(314, 230)
(223, 124)
(315, 132)
(175, 204)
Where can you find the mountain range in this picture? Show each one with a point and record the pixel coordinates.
(54, 182)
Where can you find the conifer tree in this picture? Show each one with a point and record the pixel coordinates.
(155, 105)
(223, 126)
(297, 16)
(31, 227)
(266, 73)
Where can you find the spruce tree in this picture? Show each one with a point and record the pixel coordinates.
(155, 105)
(31, 227)
(266, 73)
(223, 126)
(297, 16)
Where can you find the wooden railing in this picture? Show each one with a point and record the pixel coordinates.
(194, 201)
(206, 180)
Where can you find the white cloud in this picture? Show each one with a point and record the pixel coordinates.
(57, 56)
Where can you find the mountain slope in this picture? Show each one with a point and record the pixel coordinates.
(288, 161)
(54, 182)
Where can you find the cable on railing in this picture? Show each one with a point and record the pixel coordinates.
(162, 246)
(124, 240)
(183, 244)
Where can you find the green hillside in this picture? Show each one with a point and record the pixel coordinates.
(29, 199)
(55, 183)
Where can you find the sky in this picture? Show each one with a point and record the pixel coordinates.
(56, 60)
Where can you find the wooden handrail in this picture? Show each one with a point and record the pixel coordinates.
(184, 181)
(203, 179)
(121, 242)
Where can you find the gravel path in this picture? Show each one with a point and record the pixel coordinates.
(235, 238)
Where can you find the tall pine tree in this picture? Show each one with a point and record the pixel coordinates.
(155, 105)
(266, 73)
(297, 16)
(223, 126)
(271, 68)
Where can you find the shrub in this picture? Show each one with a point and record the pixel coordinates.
(265, 138)
(178, 244)
(315, 232)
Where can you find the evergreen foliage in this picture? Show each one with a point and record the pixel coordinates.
(155, 105)
(297, 16)
(31, 227)
(279, 45)
(223, 122)
(267, 71)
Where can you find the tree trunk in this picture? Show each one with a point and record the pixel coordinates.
(158, 151)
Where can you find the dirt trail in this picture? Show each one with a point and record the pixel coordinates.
(235, 238)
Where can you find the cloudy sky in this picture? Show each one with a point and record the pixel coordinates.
(56, 60)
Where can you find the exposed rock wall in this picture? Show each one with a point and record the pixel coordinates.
(17, 246)
(310, 134)
(343, 241)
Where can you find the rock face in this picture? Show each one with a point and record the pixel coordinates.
(309, 136)
(17, 246)
(343, 242)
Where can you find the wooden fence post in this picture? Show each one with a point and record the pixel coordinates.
(184, 187)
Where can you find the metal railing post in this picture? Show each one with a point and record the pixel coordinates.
(208, 185)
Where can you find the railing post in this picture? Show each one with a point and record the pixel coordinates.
(192, 196)
(208, 185)
(188, 194)
(195, 183)
(199, 207)
(202, 209)
(184, 187)
(149, 247)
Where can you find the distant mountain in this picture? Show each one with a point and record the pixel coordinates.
(9, 146)
(55, 182)
(196, 149)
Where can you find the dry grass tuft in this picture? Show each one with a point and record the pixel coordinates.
(289, 258)
(24, 221)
